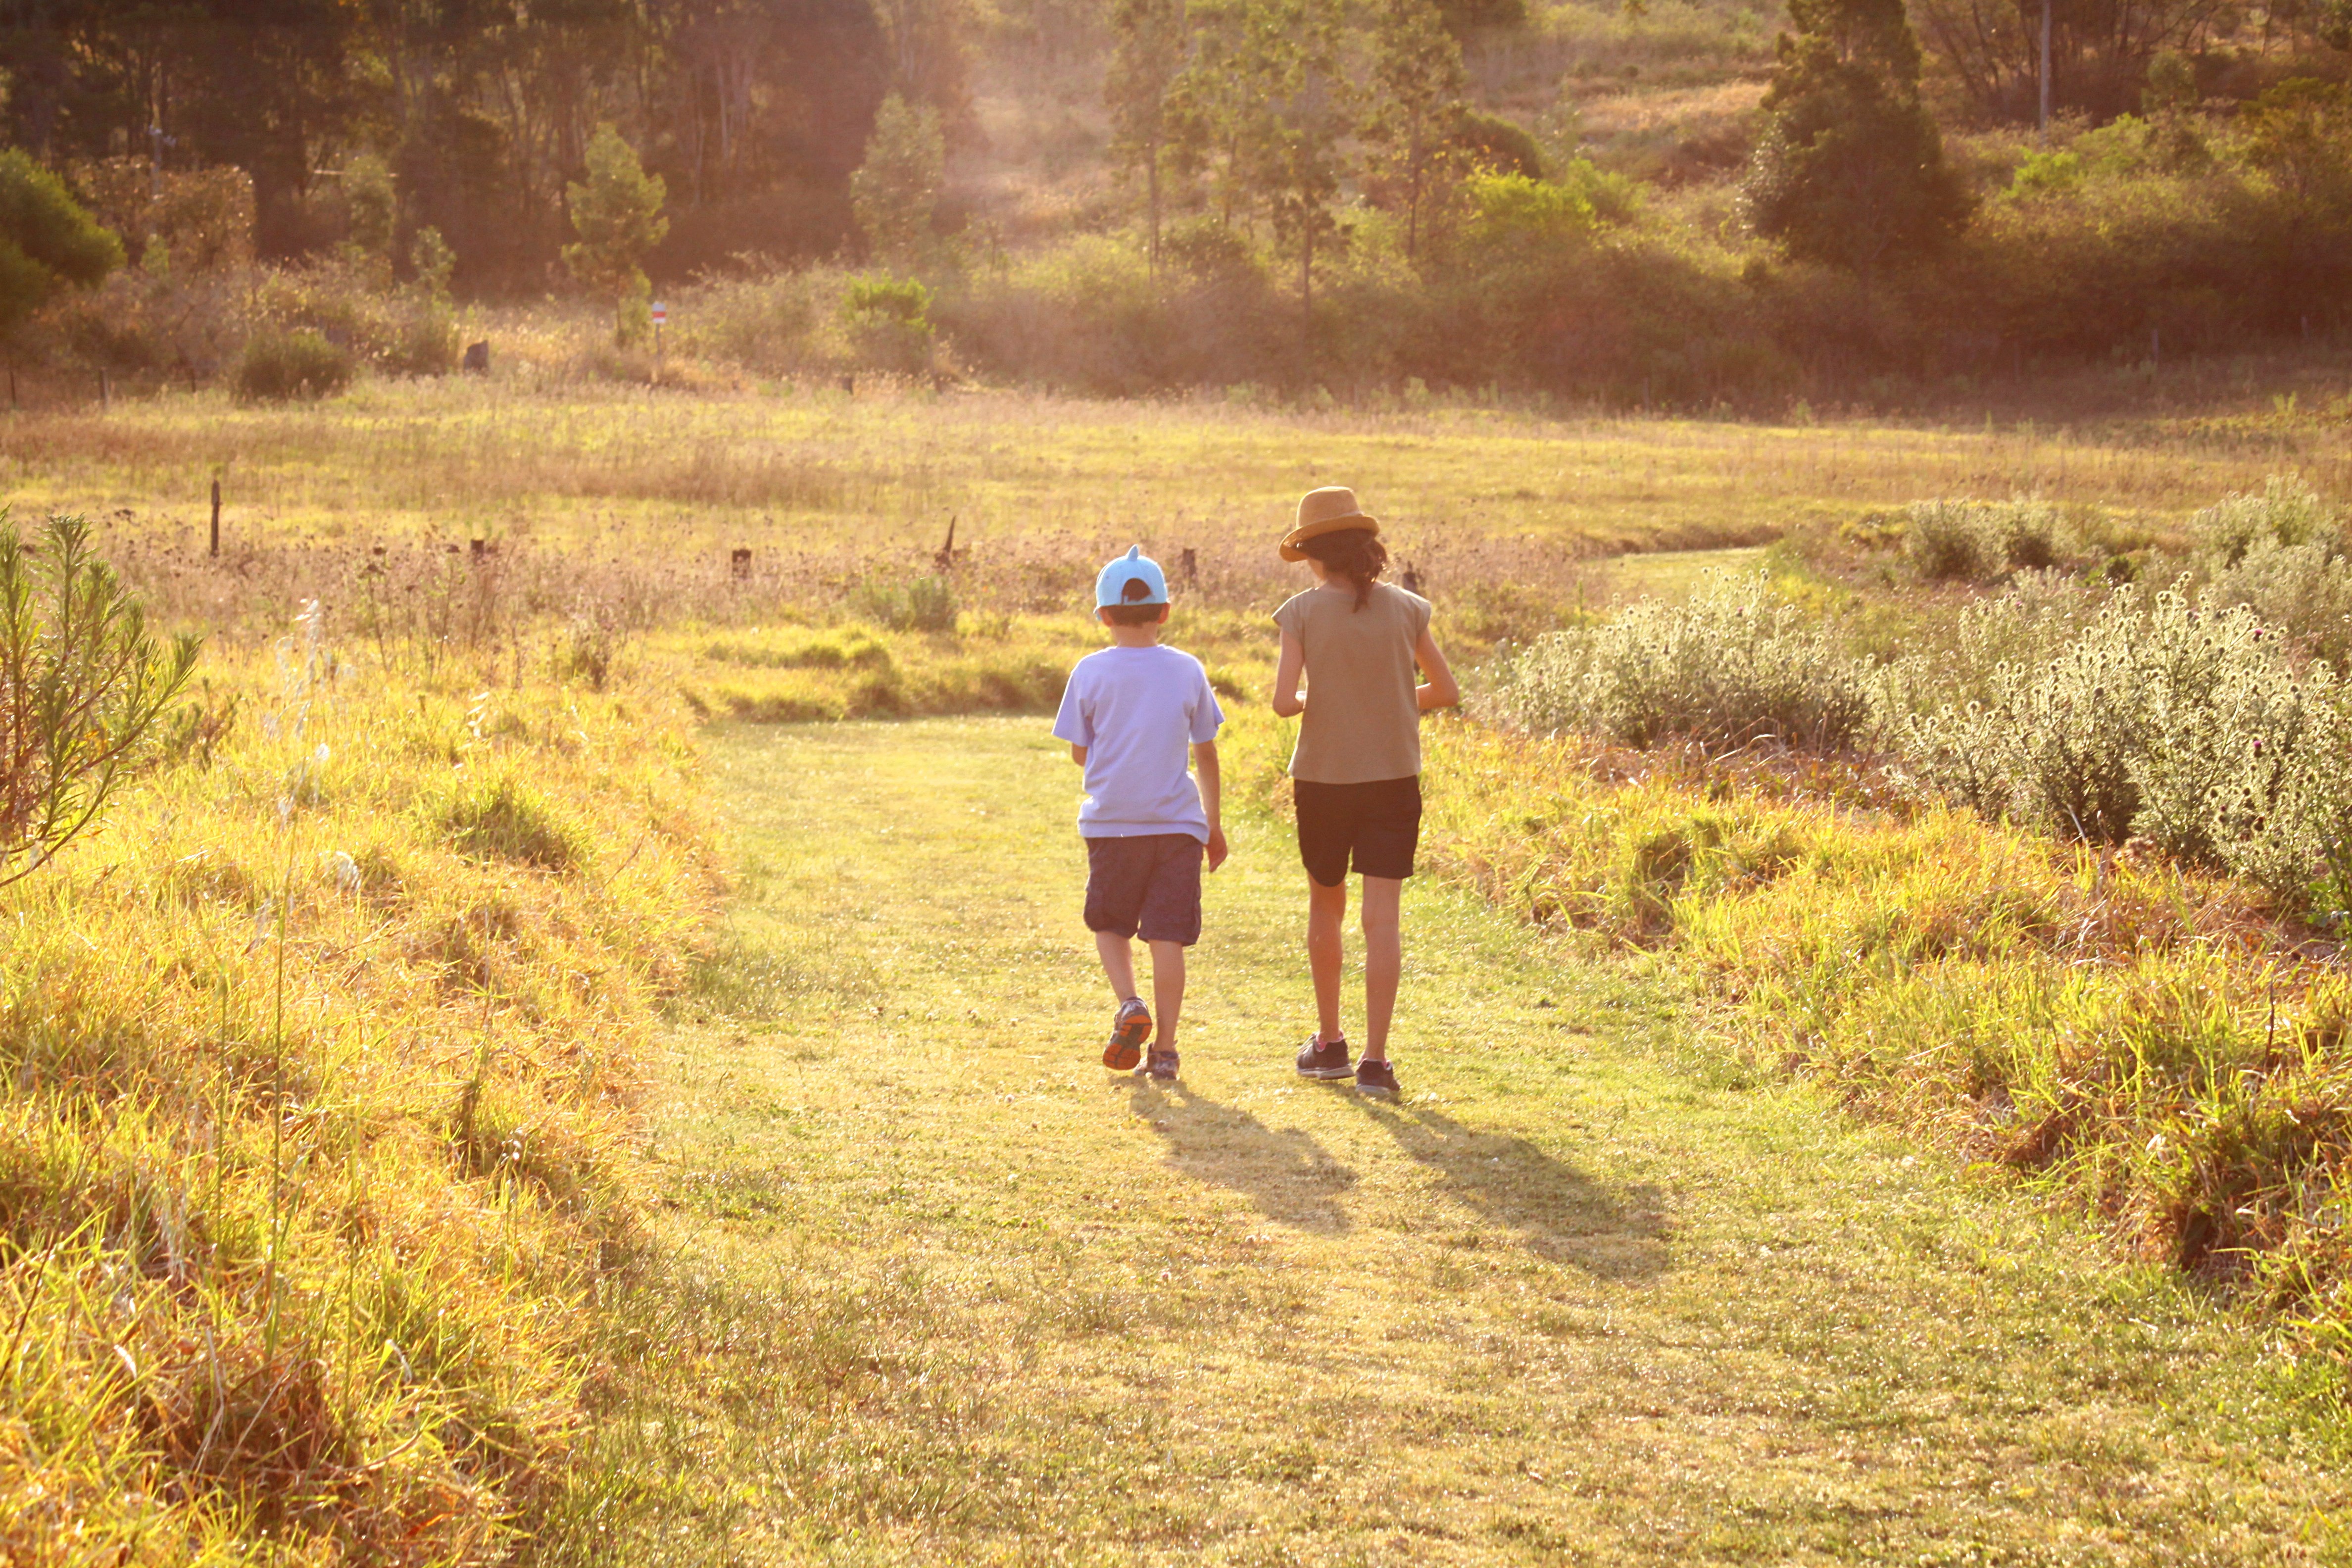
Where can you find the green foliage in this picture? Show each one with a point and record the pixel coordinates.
(83, 685)
(2043, 173)
(889, 322)
(1508, 207)
(1734, 665)
(1147, 51)
(373, 201)
(923, 605)
(1851, 169)
(279, 365)
(47, 240)
(2299, 135)
(1981, 541)
(1494, 142)
(432, 260)
(895, 191)
(617, 215)
(1415, 106)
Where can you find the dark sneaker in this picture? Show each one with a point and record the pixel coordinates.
(1160, 1067)
(1375, 1078)
(1326, 1061)
(1128, 1032)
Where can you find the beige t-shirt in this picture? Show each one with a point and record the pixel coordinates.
(1362, 721)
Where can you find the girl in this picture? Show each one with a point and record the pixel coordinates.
(1356, 775)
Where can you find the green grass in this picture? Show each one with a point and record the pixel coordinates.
(933, 1287)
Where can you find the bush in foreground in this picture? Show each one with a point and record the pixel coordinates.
(1736, 663)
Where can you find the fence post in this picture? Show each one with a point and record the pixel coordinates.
(215, 549)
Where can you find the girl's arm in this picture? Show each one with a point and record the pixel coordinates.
(1286, 700)
(1441, 691)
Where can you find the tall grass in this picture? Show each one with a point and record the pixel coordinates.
(315, 1143)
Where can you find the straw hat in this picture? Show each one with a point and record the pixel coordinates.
(1326, 510)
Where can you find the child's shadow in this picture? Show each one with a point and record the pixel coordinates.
(1284, 1170)
(1558, 1211)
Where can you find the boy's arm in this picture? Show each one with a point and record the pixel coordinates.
(1286, 700)
(1204, 762)
(1078, 754)
(1441, 691)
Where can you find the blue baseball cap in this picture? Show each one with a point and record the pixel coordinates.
(1135, 566)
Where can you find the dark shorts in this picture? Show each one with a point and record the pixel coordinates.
(1377, 825)
(1149, 886)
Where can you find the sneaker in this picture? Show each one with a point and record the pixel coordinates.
(1128, 1032)
(1375, 1078)
(1160, 1067)
(1321, 1058)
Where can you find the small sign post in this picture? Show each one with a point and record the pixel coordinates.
(661, 319)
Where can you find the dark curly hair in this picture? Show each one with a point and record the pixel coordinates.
(1355, 553)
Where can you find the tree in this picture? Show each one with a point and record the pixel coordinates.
(82, 685)
(1292, 143)
(1147, 53)
(895, 191)
(1850, 169)
(47, 240)
(617, 214)
(1212, 104)
(1417, 80)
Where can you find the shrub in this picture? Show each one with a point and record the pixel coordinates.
(1733, 665)
(2281, 555)
(925, 604)
(278, 366)
(2287, 512)
(1979, 541)
(2166, 721)
(508, 819)
(889, 323)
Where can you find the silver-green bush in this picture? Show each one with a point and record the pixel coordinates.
(2165, 721)
(1981, 541)
(1735, 664)
(2282, 555)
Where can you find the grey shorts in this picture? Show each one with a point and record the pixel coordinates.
(1149, 885)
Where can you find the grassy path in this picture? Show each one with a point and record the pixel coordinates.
(945, 1290)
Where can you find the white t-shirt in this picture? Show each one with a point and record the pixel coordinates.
(1138, 712)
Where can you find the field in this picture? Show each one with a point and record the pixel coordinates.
(679, 477)
(699, 1055)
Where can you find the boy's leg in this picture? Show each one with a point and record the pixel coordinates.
(1326, 914)
(1117, 954)
(1167, 991)
(1383, 961)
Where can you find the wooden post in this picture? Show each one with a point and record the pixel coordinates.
(216, 550)
(739, 561)
(1190, 567)
(105, 389)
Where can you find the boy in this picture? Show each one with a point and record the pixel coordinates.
(1127, 713)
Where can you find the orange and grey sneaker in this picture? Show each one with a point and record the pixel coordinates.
(1128, 1032)
(1375, 1076)
(1159, 1066)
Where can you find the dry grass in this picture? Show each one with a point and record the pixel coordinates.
(321, 1060)
(686, 479)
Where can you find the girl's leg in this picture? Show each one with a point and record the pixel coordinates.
(1383, 961)
(1326, 914)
